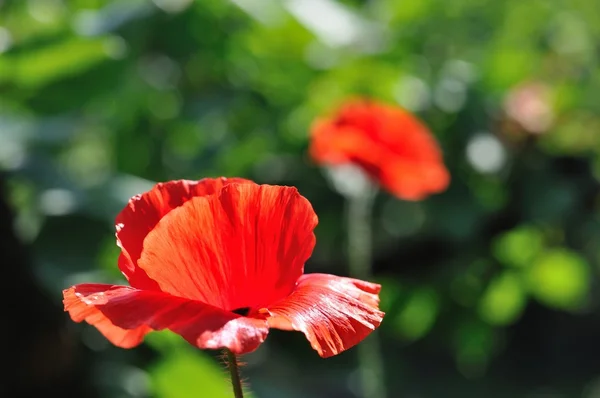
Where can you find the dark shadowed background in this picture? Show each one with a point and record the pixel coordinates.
(490, 289)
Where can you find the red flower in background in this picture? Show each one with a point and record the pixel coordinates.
(219, 262)
(387, 142)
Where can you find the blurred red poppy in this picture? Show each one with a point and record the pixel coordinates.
(392, 146)
(219, 261)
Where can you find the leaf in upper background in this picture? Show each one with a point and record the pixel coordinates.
(405, 12)
(54, 61)
(560, 278)
(575, 135)
(512, 56)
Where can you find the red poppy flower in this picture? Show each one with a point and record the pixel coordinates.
(219, 262)
(387, 142)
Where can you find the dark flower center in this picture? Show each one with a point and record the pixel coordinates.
(242, 311)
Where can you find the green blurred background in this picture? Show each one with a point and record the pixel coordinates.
(490, 289)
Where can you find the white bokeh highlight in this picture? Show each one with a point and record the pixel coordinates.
(486, 154)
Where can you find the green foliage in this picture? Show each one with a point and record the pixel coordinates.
(474, 345)
(183, 372)
(418, 314)
(504, 300)
(560, 278)
(59, 58)
(519, 247)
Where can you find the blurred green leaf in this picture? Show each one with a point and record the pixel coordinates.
(474, 345)
(407, 11)
(577, 134)
(54, 61)
(390, 293)
(491, 192)
(516, 65)
(187, 374)
(166, 341)
(560, 278)
(468, 285)
(244, 154)
(504, 300)
(108, 255)
(519, 247)
(418, 314)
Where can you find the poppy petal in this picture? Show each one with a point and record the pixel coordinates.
(144, 211)
(243, 248)
(79, 311)
(390, 144)
(334, 313)
(414, 181)
(336, 145)
(119, 311)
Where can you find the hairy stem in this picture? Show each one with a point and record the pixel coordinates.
(359, 218)
(234, 371)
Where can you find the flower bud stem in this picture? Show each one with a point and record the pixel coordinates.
(359, 219)
(234, 371)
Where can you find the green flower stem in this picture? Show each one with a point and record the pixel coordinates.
(359, 218)
(234, 371)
